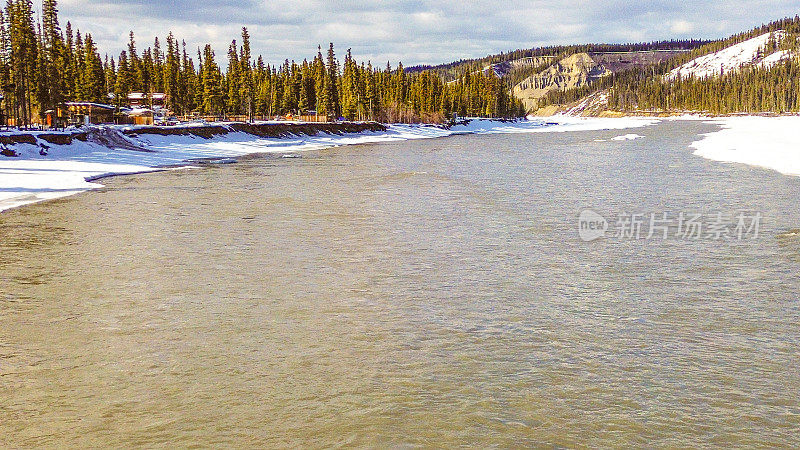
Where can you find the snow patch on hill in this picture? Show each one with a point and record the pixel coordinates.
(729, 59)
(591, 104)
(775, 58)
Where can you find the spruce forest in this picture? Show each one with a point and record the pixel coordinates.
(43, 66)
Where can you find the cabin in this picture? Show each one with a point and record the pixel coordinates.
(87, 113)
(142, 100)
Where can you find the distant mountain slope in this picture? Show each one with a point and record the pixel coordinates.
(618, 62)
(753, 71)
(507, 64)
(777, 58)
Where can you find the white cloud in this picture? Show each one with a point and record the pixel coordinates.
(682, 27)
(414, 31)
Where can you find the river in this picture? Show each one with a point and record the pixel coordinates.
(429, 293)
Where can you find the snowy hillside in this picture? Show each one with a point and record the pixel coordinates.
(729, 59)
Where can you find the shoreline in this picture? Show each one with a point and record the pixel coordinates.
(76, 164)
(69, 169)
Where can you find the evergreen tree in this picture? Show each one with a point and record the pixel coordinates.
(135, 66)
(123, 80)
(332, 106)
(94, 75)
(54, 61)
(23, 57)
(233, 80)
(189, 86)
(111, 74)
(213, 102)
(246, 82)
(320, 76)
(158, 67)
(70, 74)
(171, 69)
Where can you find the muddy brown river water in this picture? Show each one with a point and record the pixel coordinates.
(429, 293)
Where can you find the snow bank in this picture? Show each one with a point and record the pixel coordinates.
(726, 60)
(33, 177)
(627, 137)
(687, 117)
(771, 142)
(30, 181)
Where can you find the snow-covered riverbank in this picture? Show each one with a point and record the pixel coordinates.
(67, 169)
(770, 142)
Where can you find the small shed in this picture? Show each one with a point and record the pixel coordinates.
(142, 116)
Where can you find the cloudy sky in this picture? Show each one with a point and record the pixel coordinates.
(413, 31)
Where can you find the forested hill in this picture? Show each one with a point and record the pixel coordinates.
(751, 72)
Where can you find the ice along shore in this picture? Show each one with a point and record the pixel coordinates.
(42, 166)
(39, 166)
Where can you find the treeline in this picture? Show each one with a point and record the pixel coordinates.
(43, 66)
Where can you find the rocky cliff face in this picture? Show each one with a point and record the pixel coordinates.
(506, 67)
(574, 71)
(581, 69)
